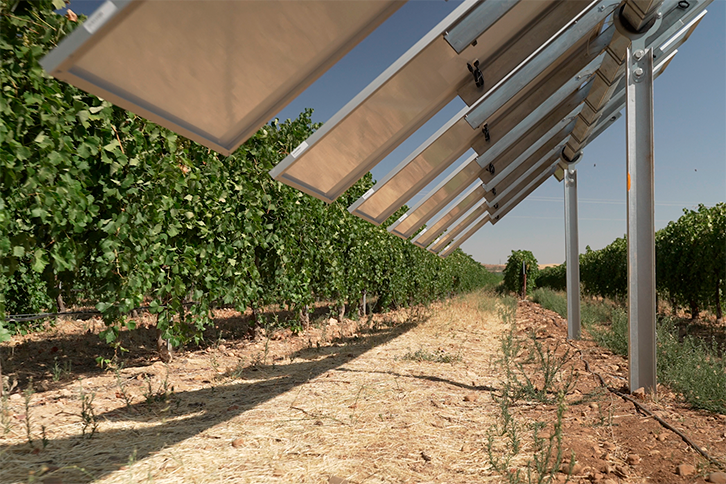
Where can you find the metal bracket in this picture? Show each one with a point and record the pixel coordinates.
(570, 162)
(476, 72)
(494, 191)
(491, 168)
(485, 130)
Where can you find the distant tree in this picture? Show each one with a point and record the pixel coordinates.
(519, 263)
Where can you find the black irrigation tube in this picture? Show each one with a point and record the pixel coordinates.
(19, 318)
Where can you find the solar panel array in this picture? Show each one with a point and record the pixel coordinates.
(539, 80)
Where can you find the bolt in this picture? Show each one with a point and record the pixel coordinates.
(638, 54)
(638, 72)
(601, 8)
(659, 15)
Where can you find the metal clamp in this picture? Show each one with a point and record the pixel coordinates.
(567, 160)
(476, 72)
(485, 130)
(491, 168)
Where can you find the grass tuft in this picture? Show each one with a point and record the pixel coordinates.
(690, 366)
(438, 356)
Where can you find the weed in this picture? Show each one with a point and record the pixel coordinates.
(550, 375)
(547, 454)
(121, 384)
(5, 414)
(215, 366)
(60, 372)
(163, 393)
(43, 437)
(438, 356)
(504, 443)
(27, 395)
(88, 413)
(549, 299)
(688, 365)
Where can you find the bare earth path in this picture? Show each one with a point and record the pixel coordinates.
(369, 408)
(405, 397)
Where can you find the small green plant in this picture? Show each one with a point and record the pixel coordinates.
(27, 396)
(61, 371)
(161, 394)
(438, 356)
(547, 454)
(5, 415)
(504, 439)
(88, 413)
(43, 436)
(121, 384)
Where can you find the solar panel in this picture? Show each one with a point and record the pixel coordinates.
(418, 85)
(461, 224)
(478, 224)
(509, 166)
(438, 198)
(461, 205)
(214, 72)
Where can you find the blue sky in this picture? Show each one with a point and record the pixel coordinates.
(690, 137)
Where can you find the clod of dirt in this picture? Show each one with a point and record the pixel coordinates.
(639, 393)
(565, 468)
(633, 459)
(471, 397)
(337, 480)
(684, 470)
(237, 443)
(466, 448)
(717, 478)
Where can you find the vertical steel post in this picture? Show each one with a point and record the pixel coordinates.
(572, 256)
(641, 219)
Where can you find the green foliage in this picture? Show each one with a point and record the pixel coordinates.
(554, 277)
(99, 204)
(692, 367)
(690, 263)
(691, 259)
(519, 263)
(604, 272)
(688, 365)
(549, 299)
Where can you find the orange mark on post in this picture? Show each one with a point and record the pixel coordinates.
(628, 181)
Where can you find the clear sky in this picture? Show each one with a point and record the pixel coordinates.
(690, 137)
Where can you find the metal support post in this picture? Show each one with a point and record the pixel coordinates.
(572, 255)
(641, 219)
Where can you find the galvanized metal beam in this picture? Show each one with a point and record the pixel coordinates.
(641, 218)
(572, 259)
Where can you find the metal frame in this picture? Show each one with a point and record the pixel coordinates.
(370, 126)
(511, 115)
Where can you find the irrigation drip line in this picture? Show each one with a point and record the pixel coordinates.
(19, 318)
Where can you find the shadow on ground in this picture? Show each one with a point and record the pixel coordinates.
(189, 413)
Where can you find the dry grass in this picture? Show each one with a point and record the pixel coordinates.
(357, 409)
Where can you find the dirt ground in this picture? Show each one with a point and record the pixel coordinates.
(403, 397)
